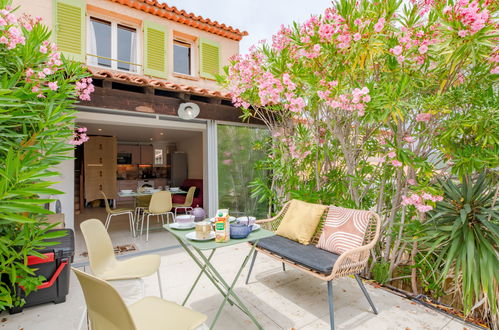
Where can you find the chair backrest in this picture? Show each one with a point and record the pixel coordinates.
(143, 201)
(106, 309)
(106, 202)
(99, 246)
(190, 196)
(161, 202)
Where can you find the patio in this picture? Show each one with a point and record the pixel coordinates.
(280, 300)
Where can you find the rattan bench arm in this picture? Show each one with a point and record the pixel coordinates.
(277, 217)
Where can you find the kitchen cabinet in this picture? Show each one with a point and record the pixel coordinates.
(133, 150)
(100, 155)
(146, 155)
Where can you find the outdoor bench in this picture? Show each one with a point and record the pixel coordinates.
(317, 262)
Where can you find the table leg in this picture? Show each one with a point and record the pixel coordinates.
(203, 269)
(206, 271)
(230, 289)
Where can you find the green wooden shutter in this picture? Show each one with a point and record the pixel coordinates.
(209, 59)
(69, 28)
(155, 49)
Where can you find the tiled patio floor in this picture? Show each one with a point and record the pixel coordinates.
(280, 300)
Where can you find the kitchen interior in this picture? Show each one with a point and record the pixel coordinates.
(118, 157)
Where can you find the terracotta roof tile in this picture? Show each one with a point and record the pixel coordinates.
(156, 83)
(172, 13)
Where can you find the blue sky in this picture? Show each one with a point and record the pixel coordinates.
(261, 18)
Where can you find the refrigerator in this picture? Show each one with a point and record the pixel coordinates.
(178, 168)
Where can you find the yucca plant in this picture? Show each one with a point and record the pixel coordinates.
(463, 232)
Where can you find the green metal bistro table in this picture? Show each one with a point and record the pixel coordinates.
(195, 250)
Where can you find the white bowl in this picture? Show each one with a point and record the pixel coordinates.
(127, 191)
(248, 220)
(184, 218)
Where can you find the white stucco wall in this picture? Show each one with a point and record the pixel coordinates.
(65, 183)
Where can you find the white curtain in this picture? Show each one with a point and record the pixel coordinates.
(133, 52)
(92, 46)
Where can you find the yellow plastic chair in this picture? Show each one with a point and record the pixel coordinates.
(160, 205)
(141, 204)
(116, 212)
(107, 310)
(187, 205)
(104, 263)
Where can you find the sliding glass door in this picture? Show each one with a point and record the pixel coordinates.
(239, 150)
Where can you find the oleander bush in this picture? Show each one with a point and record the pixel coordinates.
(38, 85)
(379, 105)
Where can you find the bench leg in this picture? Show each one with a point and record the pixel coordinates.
(283, 267)
(251, 266)
(331, 305)
(366, 294)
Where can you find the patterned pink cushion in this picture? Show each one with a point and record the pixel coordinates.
(344, 229)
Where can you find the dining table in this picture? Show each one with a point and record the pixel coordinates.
(195, 249)
(149, 192)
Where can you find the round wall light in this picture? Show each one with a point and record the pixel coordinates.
(188, 110)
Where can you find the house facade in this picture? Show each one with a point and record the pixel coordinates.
(147, 59)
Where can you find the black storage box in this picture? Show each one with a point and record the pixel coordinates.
(55, 268)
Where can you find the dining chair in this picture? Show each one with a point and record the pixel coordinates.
(188, 201)
(160, 205)
(141, 204)
(116, 212)
(104, 264)
(107, 310)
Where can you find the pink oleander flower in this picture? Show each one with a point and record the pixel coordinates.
(53, 85)
(462, 33)
(424, 208)
(4, 40)
(411, 182)
(47, 71)
(397, 50)
(423, 117)
(409, 139)
(29, 72)
(495, 70)
(357, 37)
(396, 163)
(427, 196)
(379, 25)
(392, 154)
(43, 49)
(423, 49)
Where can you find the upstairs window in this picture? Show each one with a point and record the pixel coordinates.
(112, 45)
(182, 57)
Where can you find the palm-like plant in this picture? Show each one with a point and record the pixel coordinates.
(463, 232)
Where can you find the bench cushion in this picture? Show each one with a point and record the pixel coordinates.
(305, 255)
(300, 221)
(344, 229)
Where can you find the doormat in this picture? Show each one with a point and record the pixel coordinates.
(119, 249)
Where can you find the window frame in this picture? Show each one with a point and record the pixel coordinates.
(114, 42)
(193, 54)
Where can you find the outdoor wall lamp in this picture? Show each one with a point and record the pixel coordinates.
(188, 110)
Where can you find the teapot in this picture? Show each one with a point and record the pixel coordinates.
(198, 213)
